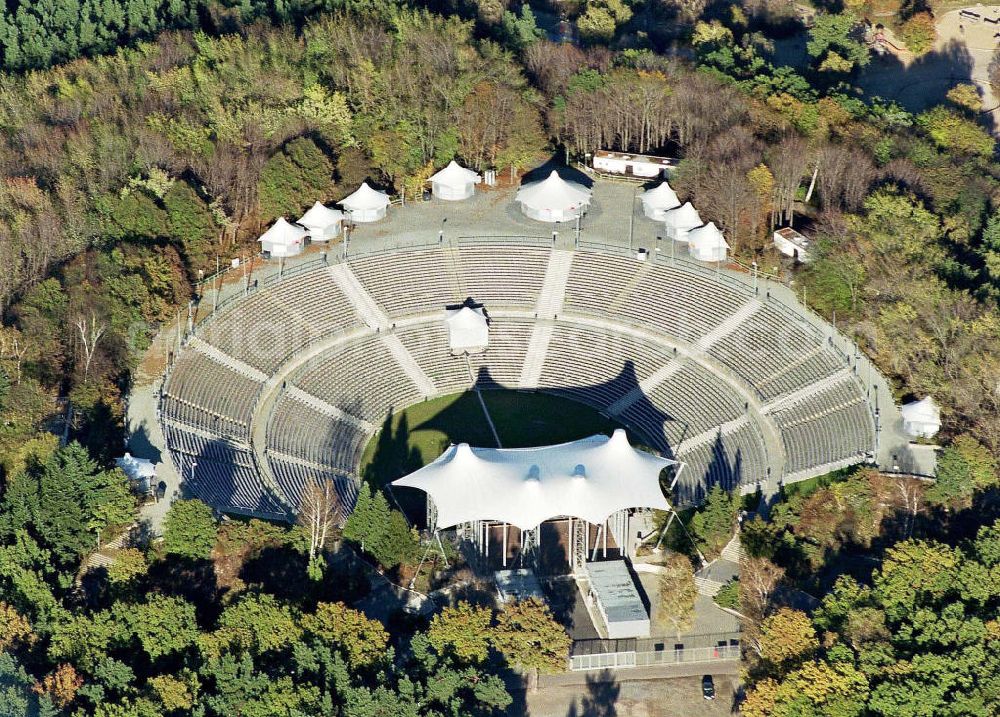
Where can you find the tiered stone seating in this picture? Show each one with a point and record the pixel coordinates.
(267, 327)
(221, 473)
(732, 460)
(503, 275)
(775, 355)
(209, 395)
(428, 344)
(409, 282)
(293, 477)
(829, 426)
(500, 365)
(361, 378)
(301, 430)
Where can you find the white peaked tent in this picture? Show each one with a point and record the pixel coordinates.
(282, 239)
(707, 243)
(454, 182)
(658, 200)
(590, 479)
(322, 223)
(468, 331)
(921, 419)
(553, 199)
(681, 220)
(141, 471)
(366, 204)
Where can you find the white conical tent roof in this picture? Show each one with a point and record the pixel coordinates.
(283, 233)
(553, 193)
(467, 328)
(684, 217)
(707, 237)
(661, 197)
(320, 217)
(924, 411)
(590, 479)
(365, 198)
(455, 175)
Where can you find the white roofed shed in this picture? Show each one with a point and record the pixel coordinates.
(680, 221)
(283, 239)
(366, 204)
(618, 600)
(468, 330)
(707, 243)
(553, 199)
(921, 419)
(454, 182)
(656, 201)
(322, 223)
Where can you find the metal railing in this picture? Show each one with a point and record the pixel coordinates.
(647, 652)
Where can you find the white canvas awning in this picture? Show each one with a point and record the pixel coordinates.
(467, 328)
(365, 199)
(921, 418)
(283, 238)
(658, 200)
(553, 198)
(455, 176)
(684, 217)
(707, 237)
(319, 217)
(589, 479)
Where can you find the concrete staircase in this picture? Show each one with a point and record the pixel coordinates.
(409, 365)
(225, 359)
(805, 392)
(550, 299)
(728, 325)
(733, 550)
(534, 358)
(363, 302)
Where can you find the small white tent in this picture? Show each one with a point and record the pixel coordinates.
(454, 182)
(322, 223)
(707, 243)
(680, 221)
(658, 200)
(282, 239)
(553, 199)
(921, 419)
(140, 471)
(468, 331)
(366, 204)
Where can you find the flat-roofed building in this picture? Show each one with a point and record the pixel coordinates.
(634, 165)
(618, 600)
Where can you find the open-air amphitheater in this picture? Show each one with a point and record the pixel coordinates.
(289, 379)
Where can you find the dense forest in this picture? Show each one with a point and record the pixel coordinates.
(172, 131)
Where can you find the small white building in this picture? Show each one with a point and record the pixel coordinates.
(468, 330)
(454, 182)
(658, 200)
(791, 243)
(635, 165)
(322, 223)
(366, 204)
(707, 243)
(678, 222)
(553, 199)
(282, 239)
(141, 471)
(921, 419)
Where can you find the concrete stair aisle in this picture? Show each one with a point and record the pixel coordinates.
(534, 358)
(409, 365)
(707, 586)
(366, 306)
(550, 300)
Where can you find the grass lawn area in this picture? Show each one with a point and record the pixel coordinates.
(419, 434)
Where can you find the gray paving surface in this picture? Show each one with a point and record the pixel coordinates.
(145, 440)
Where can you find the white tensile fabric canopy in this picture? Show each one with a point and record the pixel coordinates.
(658, 200)
(921, 418)
(591, 479)
(365, 198)
(707, 243)
(136, 468)
(467, 328)
(683, 218)
(553, 199)
(283, 238)
(319, 217)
